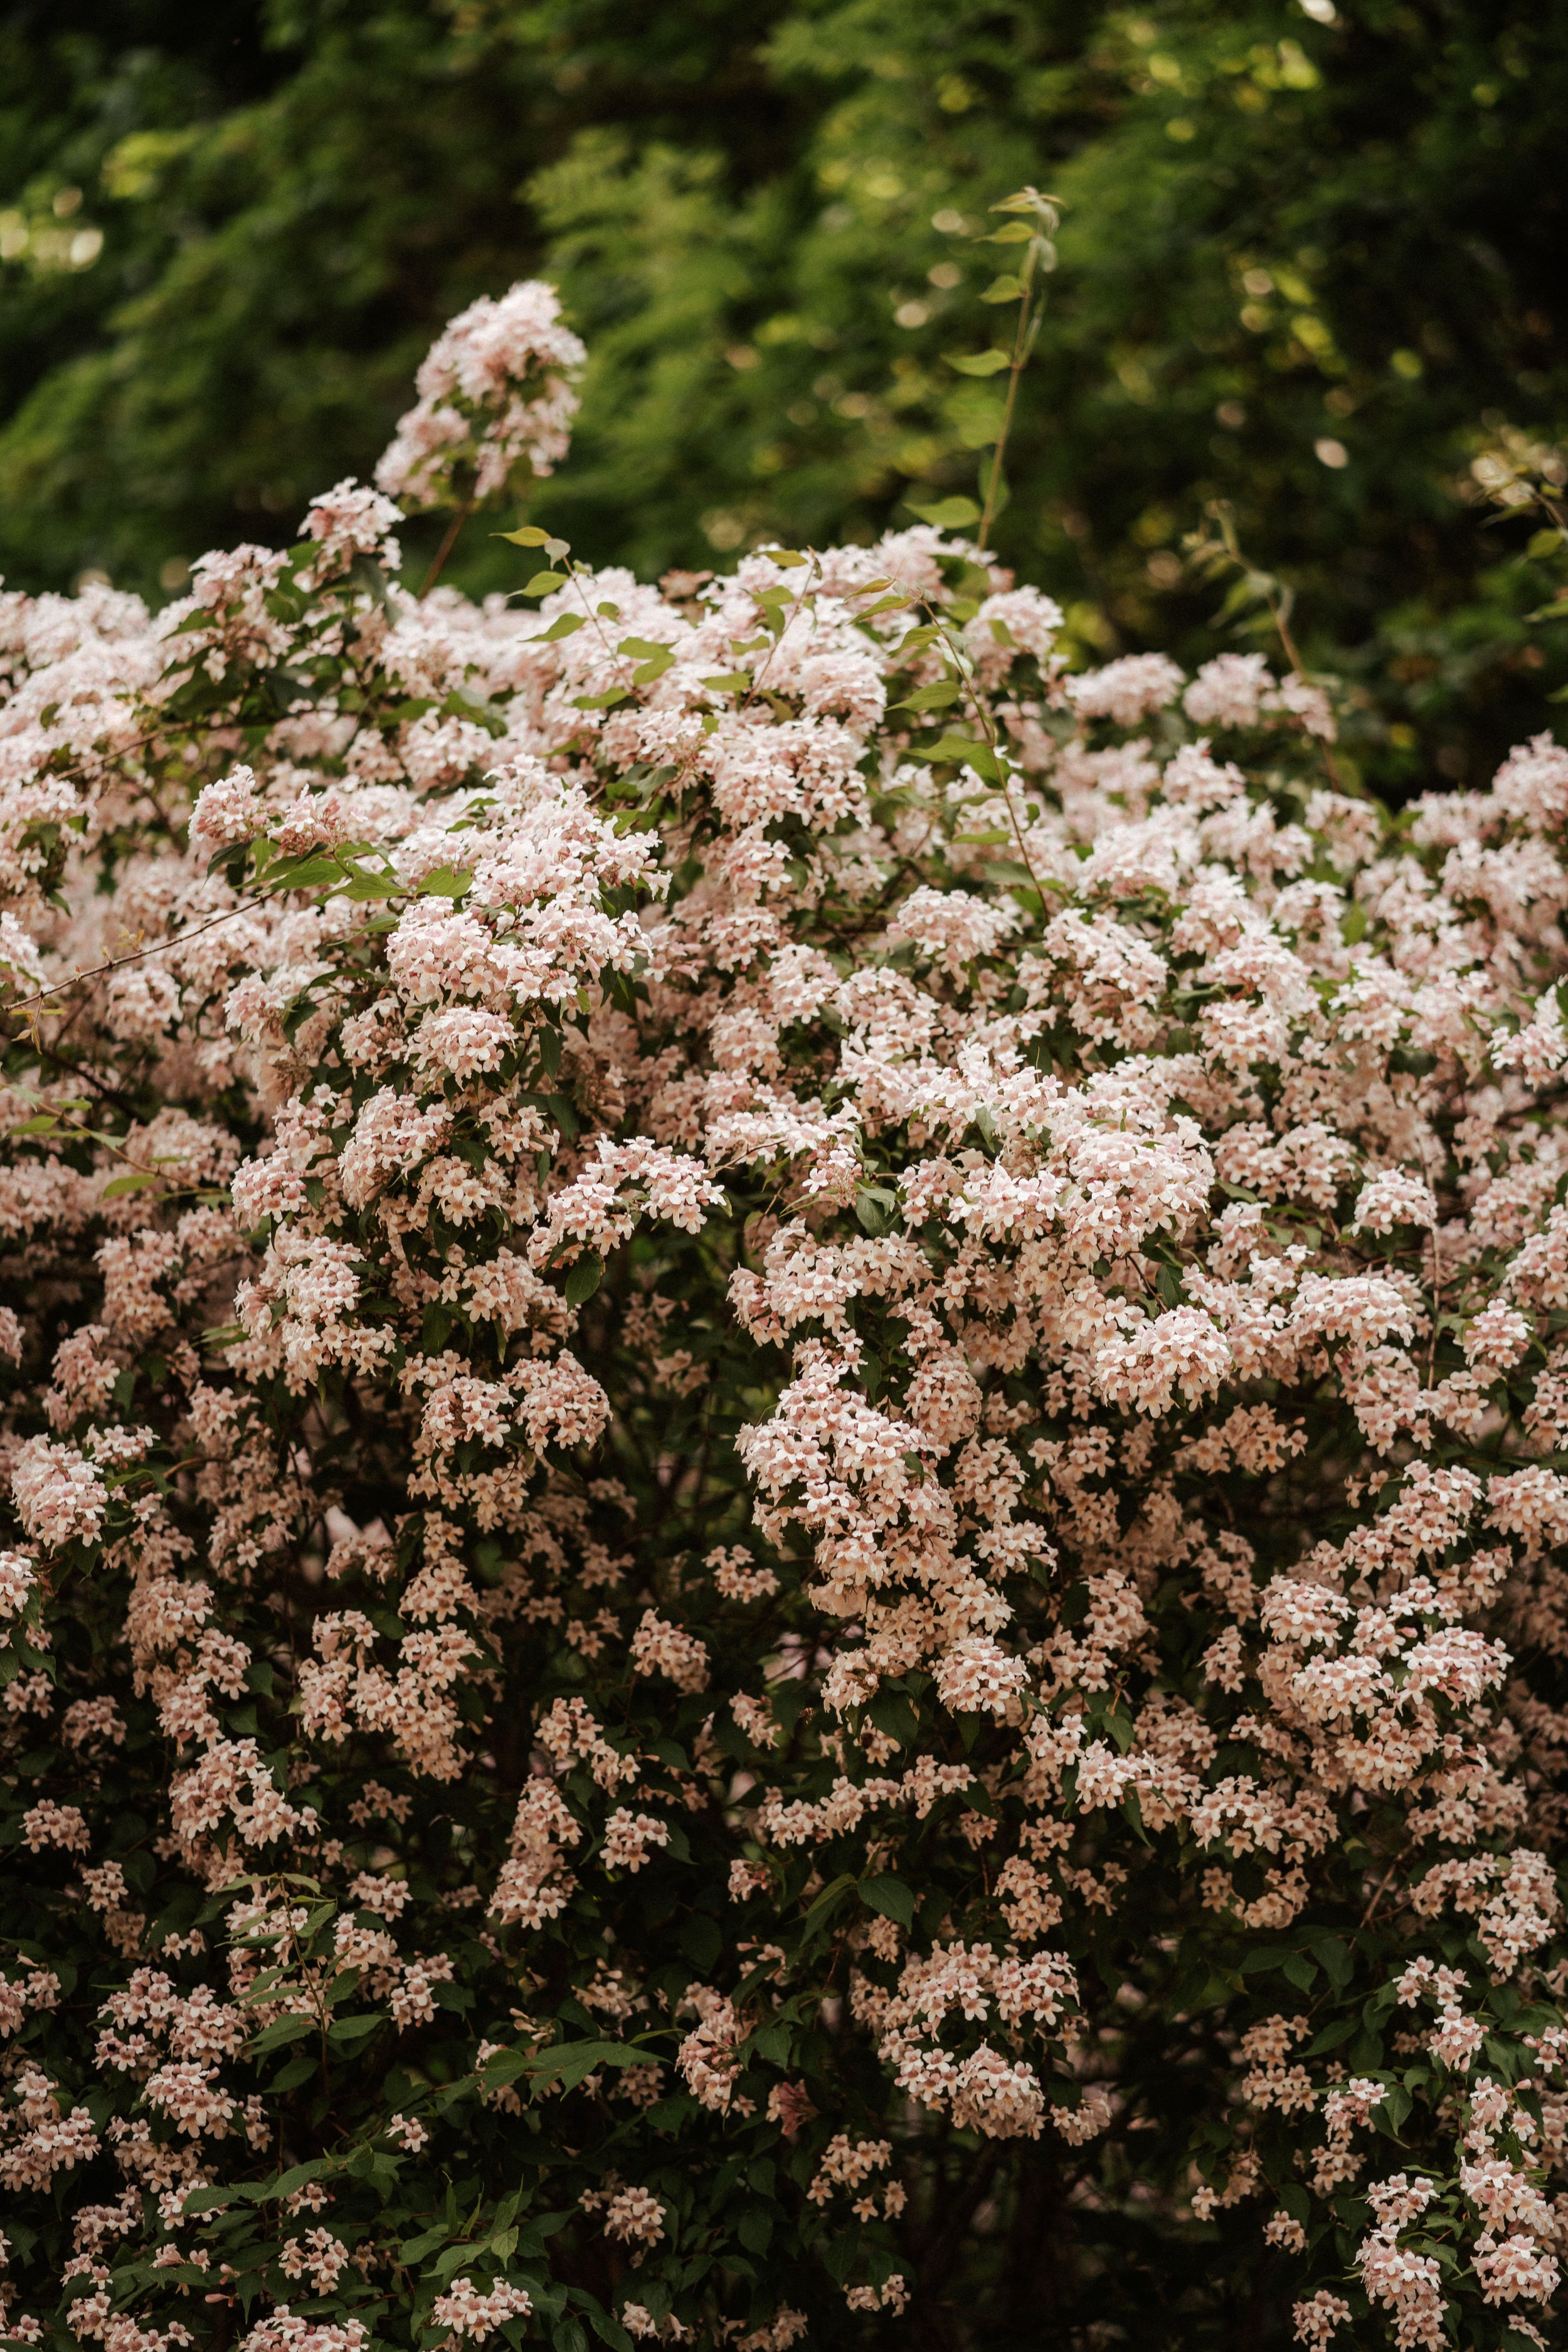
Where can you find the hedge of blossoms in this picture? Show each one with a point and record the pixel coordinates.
(783, 1431)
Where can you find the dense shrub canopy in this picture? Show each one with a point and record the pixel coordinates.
(783, 1428)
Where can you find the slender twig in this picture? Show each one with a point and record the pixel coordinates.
(83, 767)
(114, 964)
(987, 727)
(63, 1117)
(49, 1051)
(813, 566)
(448, 544)
(1279, 613)
(1040, 252)
(592, 612)
(1377, 1895)
(1023, 344)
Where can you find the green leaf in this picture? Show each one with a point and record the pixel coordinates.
(346, 2031)
(647, 649)
(1332, 1956)
(284, 2029)
(571, 2061)
(1392, 2110)
(565, 625)
(608, 2328)
(528, 535)
(584, 1278)
(964, 751)
(839, 2255)
(542, 583)
(446, 882)
(979, 362)
(298, 2176)
(891, 1897)
(1005, 289)
(831, 1897)
(208, 2200)
(563, 1112)
(773, 2042)
(448, 2260)
(938, 697)
(876, 1208)
(948, 514)
(136, 1183)
(304, 873)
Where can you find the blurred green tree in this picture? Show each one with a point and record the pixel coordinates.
(1311, 255)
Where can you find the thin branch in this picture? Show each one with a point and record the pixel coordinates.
(114, 964)
(83, 767)
(63, 1119)
(1377, 1895)
(1041, 253)
(448, 544)
(79, 1071)
(1279, 613)
(1023, 344)
(987, 727)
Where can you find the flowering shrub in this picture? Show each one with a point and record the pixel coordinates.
(494, 392)
(786, 1405)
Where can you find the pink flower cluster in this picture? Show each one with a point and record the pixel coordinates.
(495, 392)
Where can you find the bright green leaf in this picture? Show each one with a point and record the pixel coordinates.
(979, 362)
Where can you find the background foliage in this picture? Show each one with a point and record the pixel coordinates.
(226, 237)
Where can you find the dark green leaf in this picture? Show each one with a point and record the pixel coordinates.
(584, 1278)
(891, 1897)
